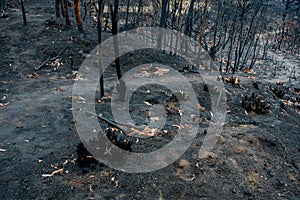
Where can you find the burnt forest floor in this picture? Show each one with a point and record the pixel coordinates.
(256, 156)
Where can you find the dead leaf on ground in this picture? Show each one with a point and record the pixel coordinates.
(147, 103)
(279, 83)
(184, 163)
(148, 131)
(73, 120)
(80, 98)
(161, 71)
(176, 126)
(292, 177)
(4, 104)
(202, 108)
(247, 71)
(33, 75)
(105, 174)
(58, 171)
(154, 119)
(3, 150)
(172, 107)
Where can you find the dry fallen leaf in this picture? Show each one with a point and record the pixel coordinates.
(200, 107)
(58, 171)
(112, 179)
(177, 126)
(184, 163)
(153, 119)
(252, 182)
(116, 183)
(46, 175)
(147, 131)
(73, 120)
(191, 179)
(105, 174)
(4, 104)
(33, 75)
(248, 71)
(161, 71)
(147, 103)
(3, 150)
(77, 98)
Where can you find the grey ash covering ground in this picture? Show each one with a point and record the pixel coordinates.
(256, 157)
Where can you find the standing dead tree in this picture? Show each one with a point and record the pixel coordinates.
(163, 22)
(23, 12)
(77, 15)
(59, 7)
(202, 24)
(121, 87)
(127, 14)
(66, 12)
(188, 20)
(99, 28)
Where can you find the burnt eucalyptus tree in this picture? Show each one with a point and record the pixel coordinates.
(248, 17)
(23, 12)
(121, 87)
(77, 15)
(163, 21)
(99, 28)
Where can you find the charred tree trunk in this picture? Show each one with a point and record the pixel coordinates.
(99, 28)
(232, 40)
(62, 8)
(121, 87)
(66, 11)
(216, 44)
(202, 24)
(140, 12)
(188, 21)
(178, 25)
(77, 14)
(57, 10)
(254, 56)
(163, 22)
(23, 12)
(114, 19)
(127, 15)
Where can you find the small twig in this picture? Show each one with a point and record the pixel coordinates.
(41, 65)
(50, 59)
(59, 54)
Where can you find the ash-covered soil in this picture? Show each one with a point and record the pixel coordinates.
(256, 156)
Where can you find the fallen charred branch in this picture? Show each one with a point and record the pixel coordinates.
(117, 134)
(49, 59)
